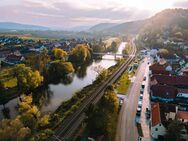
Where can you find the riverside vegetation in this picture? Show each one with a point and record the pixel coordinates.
(31, 76)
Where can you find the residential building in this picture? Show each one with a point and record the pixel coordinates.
(158, 130)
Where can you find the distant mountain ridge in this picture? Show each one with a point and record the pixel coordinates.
(102, 26)
(127, 27)
(18, 26)
(168, 18)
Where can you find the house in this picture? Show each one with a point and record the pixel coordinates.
(158, 130)
(180, 81)
(13, 59)
(182, 116)
(160, 68)
(185, 72)
(163, 93)
(169, 111)
(172, 58)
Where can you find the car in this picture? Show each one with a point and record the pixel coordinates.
(141, 91)
(139, 138)
(143, 86)
(121, 102)
(138, 111)
(141, 97)
(144, 79)
(140, 104)
(148, 115)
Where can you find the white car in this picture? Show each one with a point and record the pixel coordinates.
(140, 103)
(139, 138)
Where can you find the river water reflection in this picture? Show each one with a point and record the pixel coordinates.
(55, 94)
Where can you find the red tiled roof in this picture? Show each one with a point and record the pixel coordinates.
(171, 80)
(164, 91)
(185, 72)
(158, 67)
(160, 72)
(182, 115)
(182, 80)
(155, 111)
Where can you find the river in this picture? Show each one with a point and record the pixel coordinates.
(57, 93)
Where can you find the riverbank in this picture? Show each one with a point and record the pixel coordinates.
(69, 107)
(52, 96)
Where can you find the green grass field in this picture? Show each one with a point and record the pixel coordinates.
(123, 83)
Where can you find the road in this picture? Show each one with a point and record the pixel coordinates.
(67, 128)
(126, 128)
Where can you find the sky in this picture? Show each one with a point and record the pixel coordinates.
(70, 13)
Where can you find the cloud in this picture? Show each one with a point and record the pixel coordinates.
(181, 4)
(68, 13)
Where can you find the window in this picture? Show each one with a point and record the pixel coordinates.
(160, 124)
(156, 129)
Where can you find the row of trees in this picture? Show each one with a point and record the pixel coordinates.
(102, 118)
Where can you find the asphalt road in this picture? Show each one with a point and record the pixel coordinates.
(126, 128)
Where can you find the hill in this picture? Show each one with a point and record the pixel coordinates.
(17, 26)
(128, 27)
(101, 27)
(171, 20)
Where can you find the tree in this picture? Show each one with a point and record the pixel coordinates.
(163, 52)
(59, 54)
(13, 130)
(173, 131)
(26, 78)
(101, 119)
(80, 54)
(44, 59)
(29, 120)
(43, 135)
(60, 68)
(114, 46)
(98, 47)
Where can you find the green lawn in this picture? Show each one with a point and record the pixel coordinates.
(123, 83)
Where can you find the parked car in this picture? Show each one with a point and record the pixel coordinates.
(141, 90)
(148, 113)
(139, 138)
(144, 79)
(141, 97)
(140, 104)
(138, 111)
